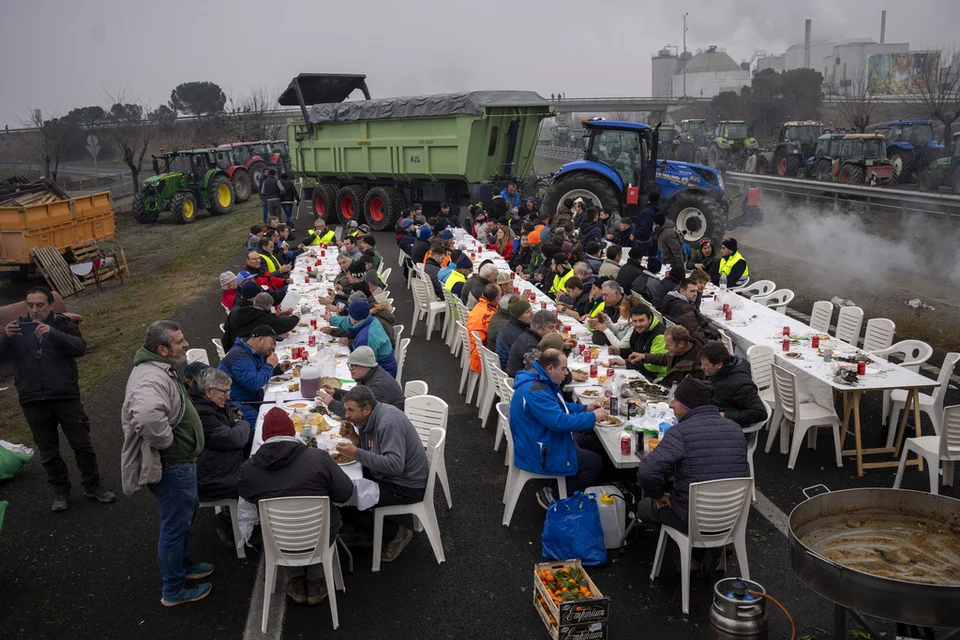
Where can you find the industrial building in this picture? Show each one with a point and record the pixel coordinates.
(777, 63)
(708, 73)
(664, 66)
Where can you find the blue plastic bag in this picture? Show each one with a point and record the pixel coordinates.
(572, 530)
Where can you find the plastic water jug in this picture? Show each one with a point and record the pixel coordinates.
(309, 382)
(613, 513)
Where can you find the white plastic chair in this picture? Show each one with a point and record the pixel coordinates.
(424, 306)
(225, 308)
(218, 345)
(802, 415)
(385, 274)
(415, 388)
(821, 316)
(849, 321)
(427, 413)
(397, 331)
(468, 377)
(491, 375)
(197, 355)
(930, 404)
(402, 357)
(761, 359)
(778, 300)
(423, 511)
(753, 437)
(936, 450)
(450, 336)
(338, 232)
(296, 533)
(718, 517)
(222, 327)
(517, 478)
(727, 342)
(231, 506)
(912, 354)
(878, 334)
(758, 288)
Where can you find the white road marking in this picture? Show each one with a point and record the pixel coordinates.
(772, 513)
(278, 608)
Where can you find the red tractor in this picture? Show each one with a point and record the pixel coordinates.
(863, 160)
(238, 173)
(254, 157)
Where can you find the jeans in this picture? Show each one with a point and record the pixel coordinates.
(390, 494)
(273, 207)
(288, 212)
(263, 199)
(43, 418)
(176, 495)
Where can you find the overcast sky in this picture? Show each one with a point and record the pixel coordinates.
(58, 55)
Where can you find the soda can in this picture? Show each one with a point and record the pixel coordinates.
(516, 290)
(586, 357)
(323, 253)
(312, 341)
(582, 347)
(593, 370)
(614, 405)
(313, 323)
(566, 329)
(728, 315)
(309, 269)
(861, 368)
(610, 372)
(815, 342)
(786, 344)
(726, 307)
(632, 409)
(543, 305)
(295, 353)
(626, 444)
(786, 331)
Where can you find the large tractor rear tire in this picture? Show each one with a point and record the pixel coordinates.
(955, 180)
(185, 207)
(697, 216)
(686, 153)
(904, 166)
(383, 207)
(325, 202)
(713, 156)
(140, 213)
(851, 174)
(788, 164)
(258, 172)
(822, 170)
(581, 185)
(763, 168)
(350, 203)
(242, 185)
(221, 196)
(929, 180)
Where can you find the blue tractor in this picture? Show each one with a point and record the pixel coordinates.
(911, 146)
(620, 154)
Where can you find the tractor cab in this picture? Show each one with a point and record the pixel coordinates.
(625, 150)
(731, 142)
(911, 146)
(827, 149)
(692, 136)
(732, 130)
(863, 160)
(694, 127)
(944, 170)
(796, 142)
(669, 142)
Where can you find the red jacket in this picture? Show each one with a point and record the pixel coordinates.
(229, 298)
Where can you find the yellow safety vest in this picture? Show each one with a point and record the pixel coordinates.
(326, 238)
(272, 263)
(560, 282)
(597, 310)
(353, 234)
(726, 264)
(454, 277)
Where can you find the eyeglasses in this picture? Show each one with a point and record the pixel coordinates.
(223, 391)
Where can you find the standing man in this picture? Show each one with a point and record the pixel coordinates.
(272, 190)
(511, 197)
(643, 231)
(670, 242)
(162, 437)
(44, 347)
(289, 197)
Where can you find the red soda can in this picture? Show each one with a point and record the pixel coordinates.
(786, 331)
(586, 356)
(582, 347)
(303, 354)
(543, 305)
(610, 372)
(295, 353)
(312, 341)
(726, 307)
(566, 329)
(815, 342)
(306, 279)
(861, 368)
(626, 444)
(532, 296)
(313, 323)
(593, 370)
(786, 344)
(516, 290)
(323, 253)
(728, 315)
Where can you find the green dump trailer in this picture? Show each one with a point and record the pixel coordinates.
(368, 160)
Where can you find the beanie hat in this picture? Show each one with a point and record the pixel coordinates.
(704, 242)
(363, 357)
(364, 228)
(447, 234)
(548, 251)
(249, 290)
(226, 278)
(193, 369)
(654, 265)
(464, 262)
(417, 206)
(359, 310)
(559, 258)
(659, 219)
(600, 280)
(518, 306)
(277, 423)
(636, 253)
(357, 268)
(425, 233)
(406, 223)
(693, 393)
(551, 341)
(730, 243)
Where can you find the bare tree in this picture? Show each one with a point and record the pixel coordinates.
(855, 107)
(249, 116)
(936, 89)
(130, 130)
(49, 140)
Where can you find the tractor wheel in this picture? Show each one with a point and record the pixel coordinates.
(904, 166)
(140, 213)
(220, 194)
(350, 203)
(697, 216)
(258, 171)
(955, 181)
(325, 202)
(185, 207)
(686, 153)
(762, 167)
(822, 171)
(581, 185)
(851, 174)
(713, 156)
(242, 185)
(794, 166)
(383, 207)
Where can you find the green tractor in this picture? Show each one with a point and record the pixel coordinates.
(728, 148)
(692, 136)
(943, 171)
(669, 143)
(185, 182)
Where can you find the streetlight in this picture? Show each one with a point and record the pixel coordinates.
(684, 51)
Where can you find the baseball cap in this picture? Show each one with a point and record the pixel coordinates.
(243, 276)
(406, 223)
(263, 331)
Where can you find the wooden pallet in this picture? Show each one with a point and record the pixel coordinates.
(54, 268)
(91, 250)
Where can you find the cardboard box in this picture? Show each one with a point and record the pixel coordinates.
(583, 619)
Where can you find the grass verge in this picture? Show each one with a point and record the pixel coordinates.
(114, 328)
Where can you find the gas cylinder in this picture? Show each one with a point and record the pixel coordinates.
(753, 197)
(736, 614)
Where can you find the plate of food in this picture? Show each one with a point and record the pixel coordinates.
(737, 323)
(583, 372)
(793, 355)
(320, 409)
(298, 405)
(590, 392)
(283, 378)
(610, 421)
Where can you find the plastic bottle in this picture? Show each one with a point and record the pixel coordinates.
(723, 282)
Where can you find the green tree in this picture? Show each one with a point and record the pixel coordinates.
(725, 105)
(802, 87)
(199, 98)
(87, 117)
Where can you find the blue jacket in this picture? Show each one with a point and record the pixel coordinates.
(702, 446)
(511, 201)
(249, 373)
(541, 422)
(444, 272)
(643, 227)
(370, 333)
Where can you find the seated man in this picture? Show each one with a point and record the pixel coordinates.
(592, 256)
(498, 321)
(702, 446)
(457, 277)
(732, 265)
(734, 391)
(367, 373)
(432, 268)
(392, 455)
(246, 317)
(611, 264)
(479, 320)
(681, 360)
(351, 249)
(576, 302)
(521, 313)
(320, 234)
(225, 437)
(544, 427)
(364, 330)
(702, 280)
(541, 324)
(678, 306)
(284, 467)
(646, 337)
(250, 364)
(369, 244)
(610, 313)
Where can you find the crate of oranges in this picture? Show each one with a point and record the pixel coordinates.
(569, 603)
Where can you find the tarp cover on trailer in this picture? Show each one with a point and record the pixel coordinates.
(443, 104)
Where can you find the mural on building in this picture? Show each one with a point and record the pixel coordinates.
(900, 73)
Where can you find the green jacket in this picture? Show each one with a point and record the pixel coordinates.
(188, 432)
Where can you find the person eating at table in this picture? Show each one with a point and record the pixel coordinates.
(319, 235)
(705, 259)
(631, 270)
(702, 446)
(473, 287)
(576, 303)
(734, 391)
(732, 264)
(364, 331)
(612, 299)
(250, 364)
(432, 268)
(542, 323)
(254, 269)
(562, 271)
(679, 307)
(391, 453)
(593, 257)
(523, 254)
(646, 337)
(702, 280)
(544, 427)
(681, 359)
(479, 320)
(457, 279)
(285, 467)
(253, 311)
(618, 333)
(498, 321)
(521, 314)
(421, 246)
(365, 370)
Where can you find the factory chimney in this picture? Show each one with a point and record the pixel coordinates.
(806, 43)
(883, 26)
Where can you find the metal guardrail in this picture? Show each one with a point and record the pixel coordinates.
(873, 198)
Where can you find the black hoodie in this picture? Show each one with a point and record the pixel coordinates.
(285, 468)
(225, 438)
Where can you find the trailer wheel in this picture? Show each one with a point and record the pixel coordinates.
(185, 207)
(140, 213)
(697, 216)
(581, 185)
(350, 203)
(383, 207)
(242, 186)
(325, 202)
(220, 195)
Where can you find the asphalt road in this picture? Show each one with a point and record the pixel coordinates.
(91, 572)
